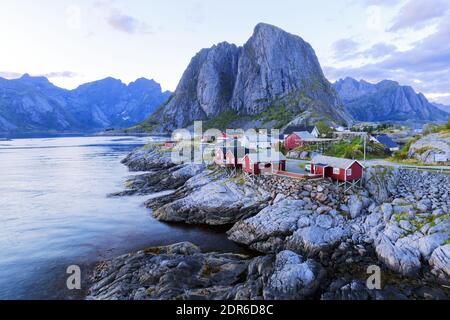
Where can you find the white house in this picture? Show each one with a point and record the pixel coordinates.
(256, 141)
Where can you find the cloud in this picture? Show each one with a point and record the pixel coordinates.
(10, 74)
(56, 74)
(416, 13)
(126, 23)
(381, 2)
(379, 50)
(60, 74)
(196, 13)
(426, 66)
(345, 49)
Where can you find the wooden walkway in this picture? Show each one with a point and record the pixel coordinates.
(297, 175)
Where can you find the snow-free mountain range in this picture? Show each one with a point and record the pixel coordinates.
(386, 101)
(33, 104)
(273, 80)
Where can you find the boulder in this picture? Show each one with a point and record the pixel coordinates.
(293, 278)
(440, 263)
(403, 259)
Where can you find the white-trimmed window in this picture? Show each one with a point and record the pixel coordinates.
(336, 170)
(349, 172)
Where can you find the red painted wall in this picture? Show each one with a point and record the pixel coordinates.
(357, 172)
(317, 170)
(230, 159)
(219, 157)
(329, 172)
(249, 167)
(170, 145)
(293, 141)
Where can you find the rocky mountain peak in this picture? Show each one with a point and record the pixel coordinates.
(386, 100)
(33, 103)
(39, 80)
(274, 69)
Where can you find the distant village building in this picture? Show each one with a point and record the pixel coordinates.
(262, 163)
(220, 156)
(298, 139)
(235, 156)
(230, 154)
(311, 129)
(170, 144)
(339, 169)
(386, 141)
(257, 141)
(349, 135)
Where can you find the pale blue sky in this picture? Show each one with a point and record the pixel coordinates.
(78, 41)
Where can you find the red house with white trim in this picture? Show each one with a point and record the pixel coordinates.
(220, 157)
(170, 144)
(235, 156)
(255, 163)
(298, 139)
(340, 169)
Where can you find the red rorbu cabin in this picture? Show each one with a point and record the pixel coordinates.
(170, 144)
(340, 169)
(220, 157)
(234, 156)
(255, 163)
(298, 139)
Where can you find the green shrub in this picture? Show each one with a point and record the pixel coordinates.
(222, 121)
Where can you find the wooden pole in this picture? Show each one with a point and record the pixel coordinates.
(365, 141)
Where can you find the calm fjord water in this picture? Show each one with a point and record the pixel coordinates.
(54, 212)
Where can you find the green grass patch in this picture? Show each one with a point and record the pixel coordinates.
(401, 216)
(222, 121)
(278, 114)
(355, 150)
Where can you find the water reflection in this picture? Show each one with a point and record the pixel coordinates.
(54, 212)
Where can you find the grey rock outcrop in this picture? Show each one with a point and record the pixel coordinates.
(161, 180)
(205, 89)
(414, 225)
(381, 182)
(440, 262)
(213, 199)
(293, 278)
(275, 65)
(181, 271)
(148, 158)
(288, 225)
(426, 148)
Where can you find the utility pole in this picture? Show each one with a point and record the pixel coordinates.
(365, 142)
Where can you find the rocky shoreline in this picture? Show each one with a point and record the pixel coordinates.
(313, 240)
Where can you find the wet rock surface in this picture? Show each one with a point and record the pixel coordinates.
(216, 200)
(181, 271)
(160, 179)
(147, 158)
